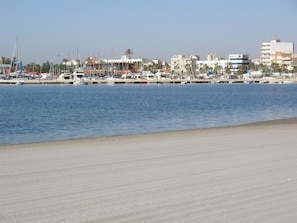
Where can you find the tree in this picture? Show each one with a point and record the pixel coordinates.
(217, 69)
(228, 68)
(128, 53)
(241, 70)
(262, 67)
(32, 67)
(284, 68)
(188, 68)
(204, 69)
(5, 60)
(45, 67)
(275, 67)
(252, 66)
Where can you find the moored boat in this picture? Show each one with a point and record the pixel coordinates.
(79, 82)
(19, 82)
(288, 82)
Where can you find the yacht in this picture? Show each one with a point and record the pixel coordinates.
(78, 77)
(65, 75)
(78, 73)
(79, 82)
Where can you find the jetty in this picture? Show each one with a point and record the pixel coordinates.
(151, 81)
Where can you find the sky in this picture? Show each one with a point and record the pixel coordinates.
(154, 29)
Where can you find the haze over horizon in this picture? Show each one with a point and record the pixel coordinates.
(54, 30)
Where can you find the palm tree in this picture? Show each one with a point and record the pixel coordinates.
(241, 70)
(7, 60)
(128, 53)
(262, 67)
(275, 67)
(284, 68)
(217, 69)
(252, 66)
(205, 68)
(188, 69)
(228, 68)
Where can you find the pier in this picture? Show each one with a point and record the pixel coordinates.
(151, 81)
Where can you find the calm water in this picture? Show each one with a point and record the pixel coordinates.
(47, 113)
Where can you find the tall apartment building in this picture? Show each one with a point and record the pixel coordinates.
(276, 52)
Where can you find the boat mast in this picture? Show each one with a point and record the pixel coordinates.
(2, 66)
(12, 57)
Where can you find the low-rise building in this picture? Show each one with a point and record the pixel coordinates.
(294, 60)
(212, 65)
(112, 66)
(180, 64)
(281, 58)
(191, 65)
(238, 62)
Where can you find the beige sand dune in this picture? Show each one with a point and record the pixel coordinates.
(232, 174)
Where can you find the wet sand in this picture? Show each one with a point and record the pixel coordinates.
(244, 173)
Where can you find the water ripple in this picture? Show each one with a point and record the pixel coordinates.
(45, 113)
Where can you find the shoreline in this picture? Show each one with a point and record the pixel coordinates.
(287, 121)
(242, 173)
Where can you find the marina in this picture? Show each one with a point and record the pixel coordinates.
(148, 112)
(150, 81)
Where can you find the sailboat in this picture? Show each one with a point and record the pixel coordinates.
(2, 68)
(17, 64)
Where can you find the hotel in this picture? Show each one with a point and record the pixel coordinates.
(276, 51)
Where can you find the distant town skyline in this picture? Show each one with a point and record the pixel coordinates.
(54, 30)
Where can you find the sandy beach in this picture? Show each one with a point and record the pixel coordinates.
(244, 173)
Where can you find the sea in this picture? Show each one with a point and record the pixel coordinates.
(42, 113)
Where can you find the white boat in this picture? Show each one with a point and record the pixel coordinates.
(78, 73)
(288, 82)
(19, 82)
(78, 76)
(65, 75)
(79, 82)
(46, 76)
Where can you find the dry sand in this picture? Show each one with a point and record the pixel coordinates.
(242, 173)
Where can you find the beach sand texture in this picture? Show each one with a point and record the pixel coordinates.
(242, 173)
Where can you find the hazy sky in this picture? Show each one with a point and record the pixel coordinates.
(154, 29)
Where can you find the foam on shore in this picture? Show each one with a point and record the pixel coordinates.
(243, 173)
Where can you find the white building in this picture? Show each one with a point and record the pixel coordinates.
(124, 59)
(191, 65)
(120, 65)
(273, 49)
(212, 64)
(180, 64)
(74, 62)
(238, 61)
